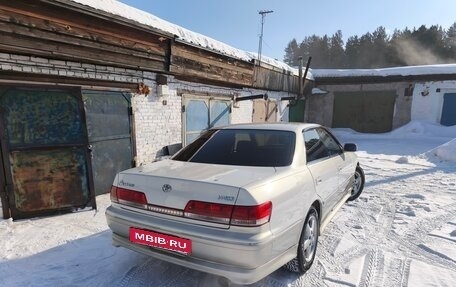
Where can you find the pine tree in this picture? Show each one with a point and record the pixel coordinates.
(352, 51)
(450, 42)
(291, 53)
(336, 51)
(376, 50)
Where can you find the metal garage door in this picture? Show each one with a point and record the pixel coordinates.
(109, 131)
(44, 151)
(200, 114)
(370, 111)
(449, 110)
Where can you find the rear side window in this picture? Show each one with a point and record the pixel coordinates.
(315, 149)
(243, 147)
(330, 142)
(320, 144)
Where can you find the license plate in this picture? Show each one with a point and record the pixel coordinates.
(160, 240)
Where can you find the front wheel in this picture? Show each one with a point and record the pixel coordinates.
(307, 247)
(358, 184)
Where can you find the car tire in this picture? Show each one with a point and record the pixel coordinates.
(307, 247)
(358, 184)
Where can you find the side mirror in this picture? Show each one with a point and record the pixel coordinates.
(350, 147)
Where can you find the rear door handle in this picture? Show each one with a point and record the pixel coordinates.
(318, 180)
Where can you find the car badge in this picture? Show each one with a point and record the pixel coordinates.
(167, 188)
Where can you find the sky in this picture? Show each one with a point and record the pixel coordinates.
(237, 22)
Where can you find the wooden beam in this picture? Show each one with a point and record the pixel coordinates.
(70, 18)
(211, 58)
(182, 66)
(190, 61)
(80, 37)
(22, 24)
(57, 50)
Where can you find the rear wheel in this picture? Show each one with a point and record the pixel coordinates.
(307, 247)
(358, 184)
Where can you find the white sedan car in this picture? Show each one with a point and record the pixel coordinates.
(240, 201)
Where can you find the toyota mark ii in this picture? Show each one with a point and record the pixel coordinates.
(239, 202)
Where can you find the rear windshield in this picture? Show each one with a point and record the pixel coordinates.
(241, 147)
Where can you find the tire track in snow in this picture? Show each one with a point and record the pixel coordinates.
(405, 273)
(368, 269)
(378, 221)
(156, 273)
(395, 273)
(415, 238)
(372, 274)
(135, 271)
(330, 243)
(379, 275)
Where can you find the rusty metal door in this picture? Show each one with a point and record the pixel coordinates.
(44, 151)
(109, 129)
(3, 179)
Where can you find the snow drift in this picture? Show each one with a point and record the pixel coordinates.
(446, 152)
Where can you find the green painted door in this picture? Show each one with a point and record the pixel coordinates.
(296, 111)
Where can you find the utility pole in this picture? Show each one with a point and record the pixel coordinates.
(260, 45)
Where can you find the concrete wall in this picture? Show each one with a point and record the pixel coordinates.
(428, 101)
(320, 108)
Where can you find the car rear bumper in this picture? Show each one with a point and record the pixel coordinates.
(241, 257)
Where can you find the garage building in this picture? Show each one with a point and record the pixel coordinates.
(89, 88)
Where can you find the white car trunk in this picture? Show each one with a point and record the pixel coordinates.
(173, 184)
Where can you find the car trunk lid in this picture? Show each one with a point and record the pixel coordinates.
(173, 184)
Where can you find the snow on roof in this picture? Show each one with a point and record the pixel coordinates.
(396, 71)
(133, 14)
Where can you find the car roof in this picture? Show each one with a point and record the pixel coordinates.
(283, 126)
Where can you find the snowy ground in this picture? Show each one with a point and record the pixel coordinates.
(400, 232)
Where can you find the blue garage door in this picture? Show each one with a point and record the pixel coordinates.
(202, 114)
(449, 110)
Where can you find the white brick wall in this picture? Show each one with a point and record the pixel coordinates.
(38, 65)
(428, 101)
(156, 124)
(243, 114)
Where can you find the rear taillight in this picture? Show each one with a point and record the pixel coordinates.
(251, 215)
(114, 194)
(208, 211)
(128, 197)
(238, 215)
(229, 214)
